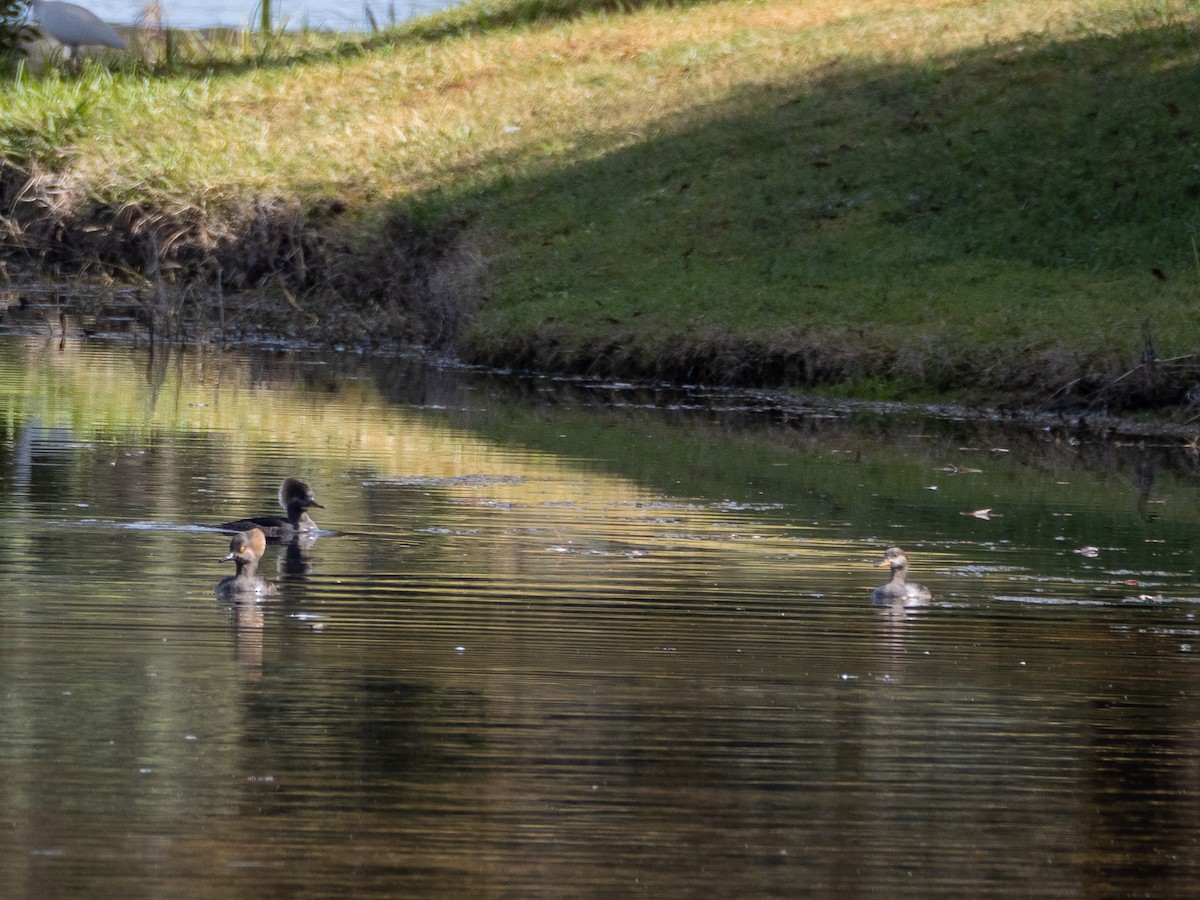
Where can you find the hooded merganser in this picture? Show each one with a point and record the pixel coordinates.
(246, 549)
(294, 496)
(898, 591)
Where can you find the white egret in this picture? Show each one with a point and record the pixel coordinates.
(74, 27)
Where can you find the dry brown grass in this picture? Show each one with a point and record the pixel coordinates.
(419, 116)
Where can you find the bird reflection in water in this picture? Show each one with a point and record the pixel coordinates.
(295, 560)
(246, 618)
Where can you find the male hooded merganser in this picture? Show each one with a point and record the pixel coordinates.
(294, 496)
(246, 549)
(898, 591)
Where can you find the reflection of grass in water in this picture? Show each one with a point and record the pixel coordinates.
(813, 498)
(458, 499)
(104, 391)
(99, 388)
(530, 509)
(865, 475)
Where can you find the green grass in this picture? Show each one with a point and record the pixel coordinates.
(1008, 199)
(903, 196)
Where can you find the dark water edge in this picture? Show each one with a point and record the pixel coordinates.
(273, 323)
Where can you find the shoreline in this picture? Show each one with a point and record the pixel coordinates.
(104, 313)
(273, 272)
(895, 201)
(186, 311)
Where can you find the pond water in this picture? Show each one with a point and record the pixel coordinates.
(567, 639)
(318, 14)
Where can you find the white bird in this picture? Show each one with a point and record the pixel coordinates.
(73, 26)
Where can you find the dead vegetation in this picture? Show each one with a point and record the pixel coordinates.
(266, 267)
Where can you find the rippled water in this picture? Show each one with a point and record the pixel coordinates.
(579, 640)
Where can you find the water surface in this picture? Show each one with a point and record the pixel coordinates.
(563, 639)
(318, 14)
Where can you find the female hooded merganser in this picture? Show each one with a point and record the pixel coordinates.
(294, 496)
(246, 549)
(898, 591)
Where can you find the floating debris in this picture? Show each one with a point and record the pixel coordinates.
(980, 513)
(1089, 552)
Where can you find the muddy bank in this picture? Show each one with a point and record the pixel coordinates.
(267, 268)
(1055, 380)
(262, 267)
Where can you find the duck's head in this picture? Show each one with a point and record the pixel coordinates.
(247, 546)
(894, 558)
(293, 491)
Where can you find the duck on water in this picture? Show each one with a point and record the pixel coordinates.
(245, 549)
(899, 591)
(296, 498)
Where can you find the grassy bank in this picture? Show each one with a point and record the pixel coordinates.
(883, 197)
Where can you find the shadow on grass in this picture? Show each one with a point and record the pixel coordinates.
(899, 221)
